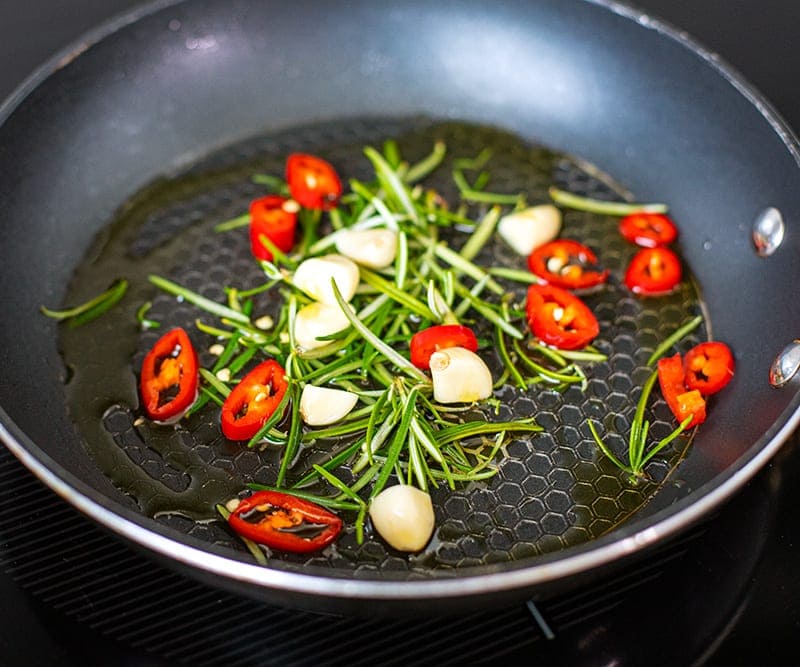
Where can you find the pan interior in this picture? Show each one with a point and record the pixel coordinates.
(552, 491)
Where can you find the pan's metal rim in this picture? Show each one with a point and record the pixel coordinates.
(682, 514)
(463, 586)
(66, 55)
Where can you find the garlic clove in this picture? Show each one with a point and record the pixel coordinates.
(315, 321)
(265, 323)
(403, 516)
(320, 406)
(314, 276)
(459, 376)
(528, 229)
(373, 248)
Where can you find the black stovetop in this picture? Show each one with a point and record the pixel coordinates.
(726, 593)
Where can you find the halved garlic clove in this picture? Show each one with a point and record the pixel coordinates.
(315, 321)
(314, 276)
(403, 516)
(530, 228)
(459, 376)
(373, 248)
(320, 406)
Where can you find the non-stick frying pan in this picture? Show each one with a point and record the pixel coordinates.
(160, 89)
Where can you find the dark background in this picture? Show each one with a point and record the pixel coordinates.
(757, 37)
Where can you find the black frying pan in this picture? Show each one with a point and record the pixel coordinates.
(687, 133)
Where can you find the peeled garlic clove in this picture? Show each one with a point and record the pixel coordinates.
(314, 276)
(320, 406)
(403, 516)
(373, 248)
(530, 228)
(315, 321)
(459, 376)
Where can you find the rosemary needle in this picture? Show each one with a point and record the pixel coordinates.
(570, 200)
(92, 308)
(198, 300)
(679, 335)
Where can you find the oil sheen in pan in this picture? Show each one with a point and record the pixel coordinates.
(552, 490)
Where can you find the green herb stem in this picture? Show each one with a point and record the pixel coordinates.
(142, 319)
(293, 439)
(234, 223)
(396, 445)
(398, 360)
(92, 308)
(481, 234)
(392, 181)
(676, 337)
(198, 300)
(577, 202)
(463, 265)
(428, 164)
(256, 551)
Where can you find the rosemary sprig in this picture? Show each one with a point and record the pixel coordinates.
(273, 183)
(91, 309)
(638, 454)
(474, 192)
(199, 300)
(579, 203)
(481, 234)
(143, 320)
(397, 430)
(679, 335)
(234, 223)
(427, 165)
(368, 335)
(392, 182)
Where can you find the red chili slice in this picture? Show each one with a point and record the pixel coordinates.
(653, 271)
(708, 367)
(169, 378)
(559, 318)
(285, 522)
(566, 263)
(648, 230)
(682, 401)
(253, 400)
(424, 343)
(313, 182)
(272, 216)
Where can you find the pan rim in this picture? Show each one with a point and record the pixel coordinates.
(663, 525)
(720, 65)
(466, 584)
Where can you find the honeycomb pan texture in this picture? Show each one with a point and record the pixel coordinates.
(551, 491)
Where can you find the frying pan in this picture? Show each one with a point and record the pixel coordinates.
(165, 86)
